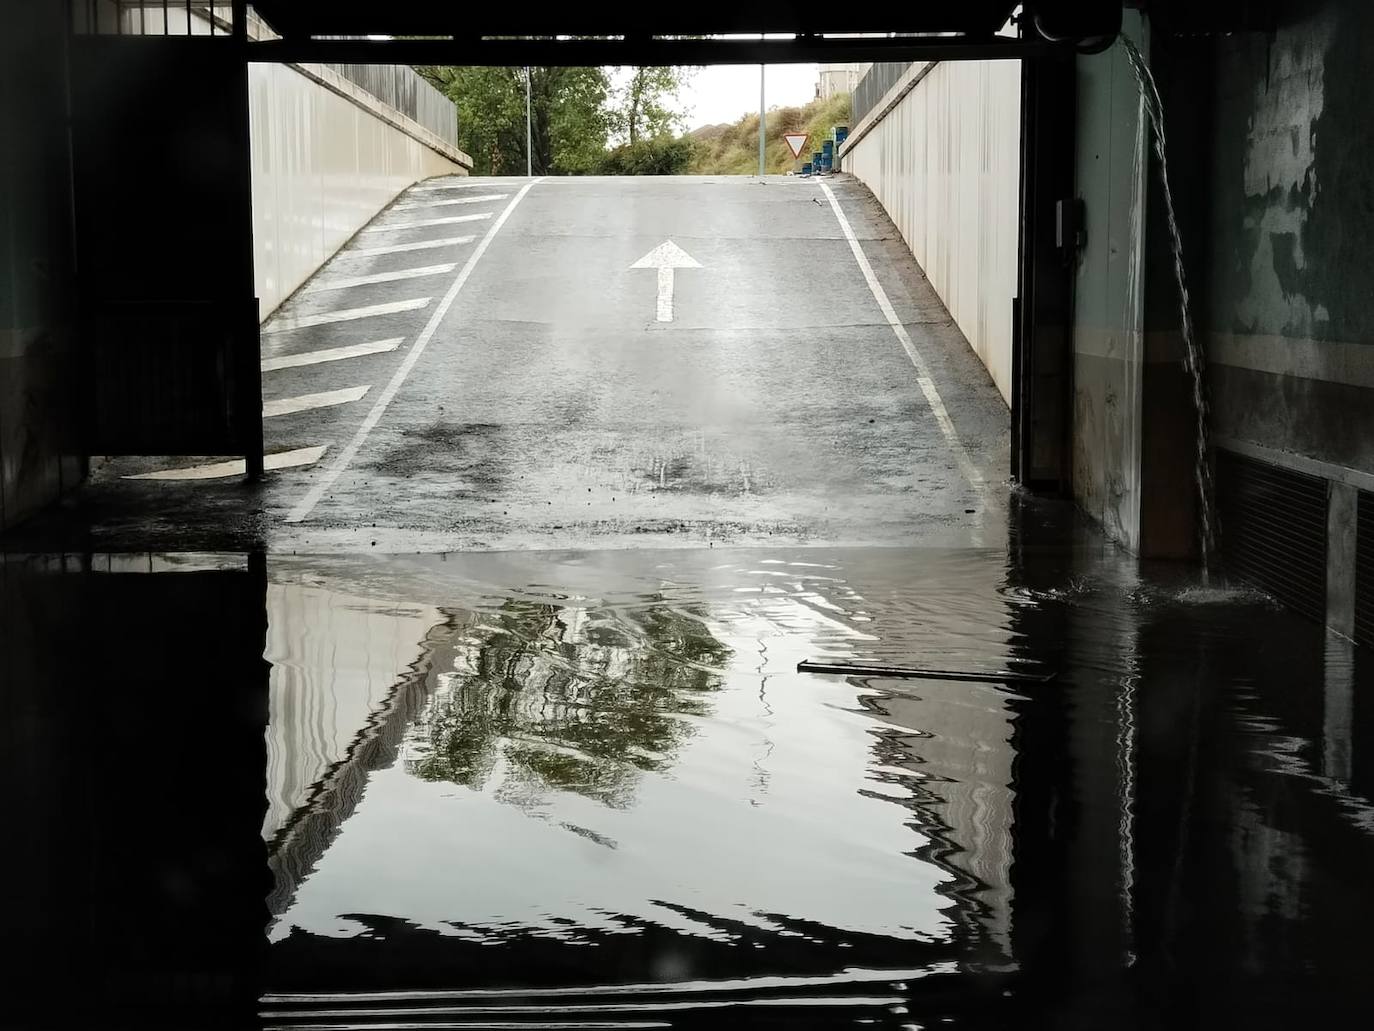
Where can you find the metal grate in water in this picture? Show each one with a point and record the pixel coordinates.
(1273, 530)
(1364, 568)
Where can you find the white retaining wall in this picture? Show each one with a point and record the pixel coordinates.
(941, 152)
(324, 162)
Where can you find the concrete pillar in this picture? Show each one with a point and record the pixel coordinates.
(1342, 508)
(1338, 708)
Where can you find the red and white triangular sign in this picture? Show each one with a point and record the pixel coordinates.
(796, 141)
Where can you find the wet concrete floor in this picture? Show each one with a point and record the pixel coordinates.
(590, 789)
(546, 406)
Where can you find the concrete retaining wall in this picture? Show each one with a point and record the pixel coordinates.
(327, 154)
(941, 152)
(326, 159)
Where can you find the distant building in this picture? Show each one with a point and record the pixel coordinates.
(839, 78)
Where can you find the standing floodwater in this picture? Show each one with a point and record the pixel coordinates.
(1193, 357)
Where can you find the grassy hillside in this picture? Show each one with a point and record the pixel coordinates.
(734, 149)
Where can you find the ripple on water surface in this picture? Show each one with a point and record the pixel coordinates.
(602, 774)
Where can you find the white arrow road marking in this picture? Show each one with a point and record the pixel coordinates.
(219, 470)
(331, 354)
(343, 282)
(666, 257)
(397, 248)
(305, 402)
(285, 323)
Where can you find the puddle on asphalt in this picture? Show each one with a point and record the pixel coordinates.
(593, 788)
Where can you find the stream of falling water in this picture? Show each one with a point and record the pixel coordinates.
(1193, 357)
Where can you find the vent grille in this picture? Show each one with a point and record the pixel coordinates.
(1364, 569)
(1273, 530)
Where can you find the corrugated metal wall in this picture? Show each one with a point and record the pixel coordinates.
(322, 167)
(945, 165)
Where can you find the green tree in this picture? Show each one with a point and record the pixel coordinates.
(569, 118)
(646, 105)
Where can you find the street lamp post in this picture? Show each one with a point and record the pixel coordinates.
(762, 116)
(529, 132)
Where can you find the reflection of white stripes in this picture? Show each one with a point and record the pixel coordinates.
(285, 323)
(397, 248)
(479, 199)
(330, 354)
(323, 483)
(450, 220)
(306, 402)
(221, 470)
(343, 282)
(923, 377)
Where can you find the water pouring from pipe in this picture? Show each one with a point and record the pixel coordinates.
(1193, 358)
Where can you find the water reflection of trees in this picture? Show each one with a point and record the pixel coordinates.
(584, 700)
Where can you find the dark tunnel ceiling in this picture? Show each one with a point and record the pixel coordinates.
(300, 18)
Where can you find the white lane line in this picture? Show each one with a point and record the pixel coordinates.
(344, 282)
(286, 323)
(312, 498)
(305, 402)
(923, 377)
(219, 470)
(450, 220)
(479, 199)
(330, 354)
(397, 248)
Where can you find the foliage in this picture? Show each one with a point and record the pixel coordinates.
(569, 108)
(659, 155)
(734, 149)
(644, 105)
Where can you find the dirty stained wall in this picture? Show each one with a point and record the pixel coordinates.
(1271, 150)
(1290, 240)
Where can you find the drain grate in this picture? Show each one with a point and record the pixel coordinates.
(1273, 530)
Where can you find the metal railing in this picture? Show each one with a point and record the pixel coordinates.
(873, 87)
(401, 88)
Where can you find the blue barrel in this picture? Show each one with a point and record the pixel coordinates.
(816, 162)
(827, 155)
(806, 168)
(841, 134)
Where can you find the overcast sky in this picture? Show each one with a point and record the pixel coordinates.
(724, 92)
